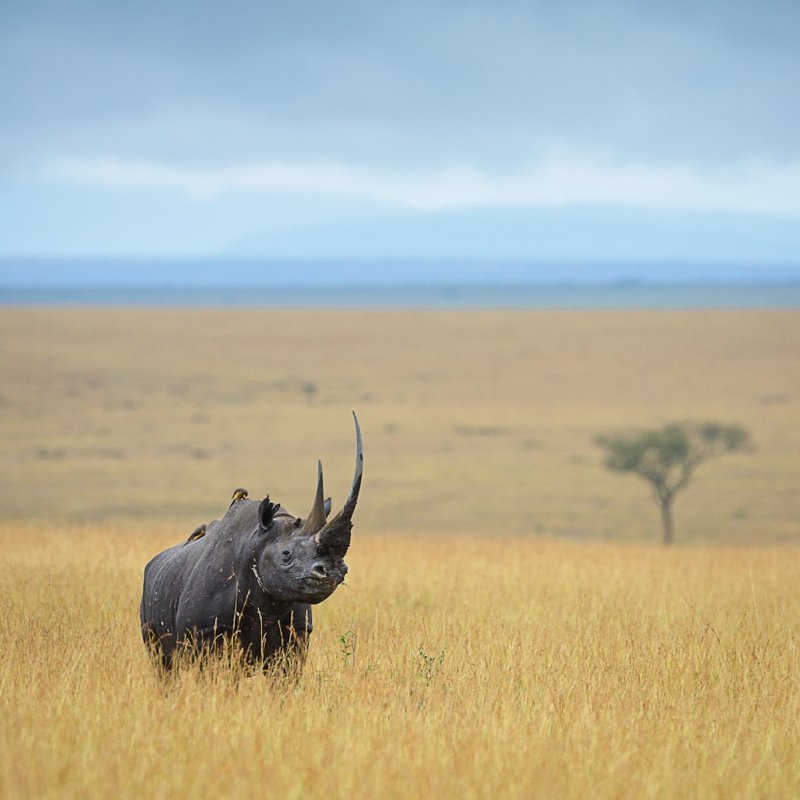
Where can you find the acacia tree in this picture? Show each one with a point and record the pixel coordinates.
(667, 457)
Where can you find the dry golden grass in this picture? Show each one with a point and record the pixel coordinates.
(474, 668)
(477, 421)
(474, 654)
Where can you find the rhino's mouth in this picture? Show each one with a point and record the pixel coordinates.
(317, 583)
(317, 587)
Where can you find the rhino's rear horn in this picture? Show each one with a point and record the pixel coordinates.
(317, 516)
(335, 536)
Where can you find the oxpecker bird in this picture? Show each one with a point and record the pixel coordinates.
(197, 533)
(239, 494)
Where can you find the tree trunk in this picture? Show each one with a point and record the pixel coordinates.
(666, 519)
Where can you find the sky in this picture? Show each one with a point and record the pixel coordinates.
(196, 129)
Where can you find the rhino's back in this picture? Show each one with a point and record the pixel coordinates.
(164, 580)
(192, 581)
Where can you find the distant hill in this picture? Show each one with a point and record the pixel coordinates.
(232, 273)
(263, 273)
(466, 248)
(544, 234)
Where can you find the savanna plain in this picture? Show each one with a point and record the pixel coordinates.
(511, 626)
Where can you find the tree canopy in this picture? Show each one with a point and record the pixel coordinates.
(666, 457)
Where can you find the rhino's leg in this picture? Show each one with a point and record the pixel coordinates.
(297, 627)
(296, 631)
(159, 649)
(210, 638)
(286, 643)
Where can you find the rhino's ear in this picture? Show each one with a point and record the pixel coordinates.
(266, 511)
(327, 507)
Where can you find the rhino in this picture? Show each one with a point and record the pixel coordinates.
(249, 579)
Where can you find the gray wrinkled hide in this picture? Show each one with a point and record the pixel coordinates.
(200, 590)
(250, 580)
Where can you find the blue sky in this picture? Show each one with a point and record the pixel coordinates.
(197, 129)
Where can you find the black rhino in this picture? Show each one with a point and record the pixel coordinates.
(249, 578)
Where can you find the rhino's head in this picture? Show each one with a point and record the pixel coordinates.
(302, 560)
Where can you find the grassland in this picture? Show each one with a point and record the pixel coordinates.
(510, 628)
(477, 421)
(453, 667)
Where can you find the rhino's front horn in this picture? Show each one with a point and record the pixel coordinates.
(316, 517)
(335, 536)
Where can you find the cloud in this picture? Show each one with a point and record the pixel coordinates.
(496, 84)
(752, 186)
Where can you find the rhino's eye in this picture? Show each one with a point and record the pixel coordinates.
(286, 556)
